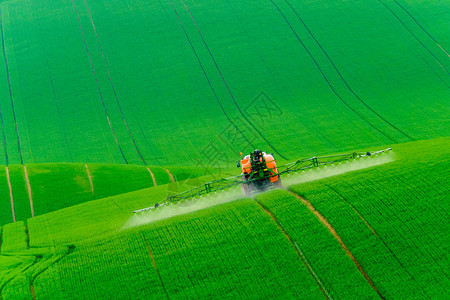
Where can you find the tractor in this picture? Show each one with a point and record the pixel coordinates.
(259, 172)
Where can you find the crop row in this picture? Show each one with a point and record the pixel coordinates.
(233, 250)
(235, 244)
(171, 112)
(57, 186)
(94, 218)
(14, 237)
(339, 276)
(393, 218)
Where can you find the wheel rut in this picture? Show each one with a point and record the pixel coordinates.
(154, 265)
(172, 179)
(153, 176)
(373, 231)
(90, 179)
(30, 197)
(299, 253)
(11, 197)
(333, 231)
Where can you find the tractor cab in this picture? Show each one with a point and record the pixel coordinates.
(259, 172)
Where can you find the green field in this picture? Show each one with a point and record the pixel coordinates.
(311, 78)
(110, 106)
(396, 232)
(55, 186)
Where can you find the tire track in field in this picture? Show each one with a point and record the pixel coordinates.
(206, 76)
(12, 278)
(58, 110)
(440, 210)
(270, 71)
(373, 230)
(423, 249)
(339, 74)
(342, 77)
(27, 232)
(333, 231)
(10, 94)
(97, 83)
(326, 78)
(299, 253)
(155, 158)
(154, 265)
(33, 295)
(28, 247)
(112, 85)
(11, 197)
(90, 179)
(170, 175)
(415, 36)
(423, 29)
(30, 198)
(226, 84)
(153, 177)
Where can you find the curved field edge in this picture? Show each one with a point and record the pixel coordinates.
(208, 255)
(392, 218)
(360, 206)
(36, 189)
(385, 82)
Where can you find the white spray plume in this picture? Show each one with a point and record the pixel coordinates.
(337, 169)
(183, 207)
(234, 194)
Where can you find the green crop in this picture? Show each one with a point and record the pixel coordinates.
(238, 249)
(174, 92)
(222, 252)
(104, 103)
(328, 261)
(57, 186)
(393, 218)
(14, 238)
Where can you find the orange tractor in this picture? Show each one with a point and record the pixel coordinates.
(259, 172)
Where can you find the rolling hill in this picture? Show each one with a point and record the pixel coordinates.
(359, 234)
(190, 83)
(110, 106)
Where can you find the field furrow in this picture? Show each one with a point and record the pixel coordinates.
(112, 112)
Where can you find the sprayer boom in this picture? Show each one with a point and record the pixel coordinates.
(261, 173)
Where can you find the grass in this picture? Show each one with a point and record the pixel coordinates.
(189, 260)
(244, 247)
(161, 100)
(393, 218)
(56, 186)
(14, 237)
(92, 93)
